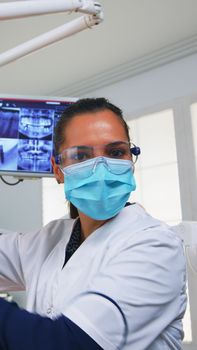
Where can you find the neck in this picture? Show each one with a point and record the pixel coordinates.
(89, 225)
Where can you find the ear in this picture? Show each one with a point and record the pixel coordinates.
(57, 171)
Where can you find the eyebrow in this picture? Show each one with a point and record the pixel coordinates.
(115, 143)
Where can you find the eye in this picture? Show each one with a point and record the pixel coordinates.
(80, 156)
(117, 153)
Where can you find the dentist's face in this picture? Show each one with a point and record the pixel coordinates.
(92, 129)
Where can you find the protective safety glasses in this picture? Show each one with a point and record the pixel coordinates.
(78, 154)
(88, 167)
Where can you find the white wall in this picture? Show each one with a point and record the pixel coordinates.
(21, 210)
(21, 205)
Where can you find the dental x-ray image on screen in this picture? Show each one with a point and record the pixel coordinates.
(26, 134)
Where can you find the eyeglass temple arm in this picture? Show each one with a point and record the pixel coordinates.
(57, 159)
(135, 150)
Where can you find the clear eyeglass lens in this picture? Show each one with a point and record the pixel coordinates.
(78, 154)
(88, 167)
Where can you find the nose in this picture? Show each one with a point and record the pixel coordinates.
(99, 152)
(99, 160)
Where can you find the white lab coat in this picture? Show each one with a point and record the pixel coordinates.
(134, 260)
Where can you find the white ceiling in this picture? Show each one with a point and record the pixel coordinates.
(136, 35)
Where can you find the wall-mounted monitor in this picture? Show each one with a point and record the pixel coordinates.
(26, 134)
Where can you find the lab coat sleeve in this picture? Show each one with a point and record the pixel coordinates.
(146, 279)
(11, 272)
(22, 330)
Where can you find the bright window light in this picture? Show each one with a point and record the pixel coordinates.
(156, 174)
(194, 129)
(156, 169)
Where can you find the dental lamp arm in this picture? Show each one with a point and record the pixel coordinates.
(20, 9)
(50, 37)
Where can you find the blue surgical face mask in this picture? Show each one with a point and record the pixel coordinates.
(99, 187)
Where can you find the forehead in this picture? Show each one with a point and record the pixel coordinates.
(93, 129)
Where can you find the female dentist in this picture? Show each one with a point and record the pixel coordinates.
(110, 277)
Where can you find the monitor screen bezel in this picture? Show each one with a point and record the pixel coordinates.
(32, 98)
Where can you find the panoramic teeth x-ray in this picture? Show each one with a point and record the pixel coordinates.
(36, 123)
(34, 155)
